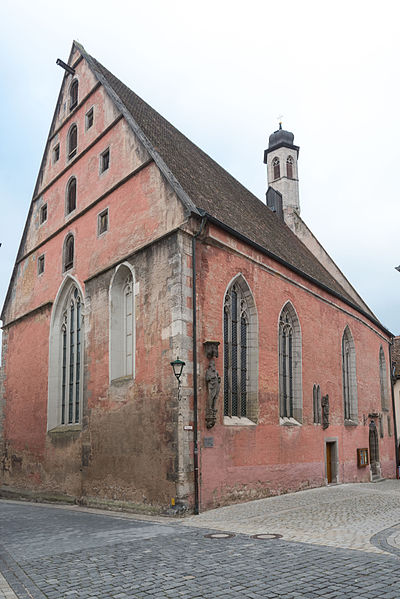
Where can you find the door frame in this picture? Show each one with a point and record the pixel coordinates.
(333, 441)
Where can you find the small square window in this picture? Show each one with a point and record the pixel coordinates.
(43, 214)
(40, 264)
(102, 222)
(89, 118)
(105, 160)
(56, 153)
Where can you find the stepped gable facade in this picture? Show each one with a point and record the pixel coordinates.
(138, 249)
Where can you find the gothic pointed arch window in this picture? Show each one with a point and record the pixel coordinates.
(240, 352)
(72, 141)
(290, 365)
(289, 167)
(122, 323)
(349, 378)
(383, 380)
(66, 357)
(73, 94)
(276, 168)
(317, 404)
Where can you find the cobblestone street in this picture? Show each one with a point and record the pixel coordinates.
(337, 542)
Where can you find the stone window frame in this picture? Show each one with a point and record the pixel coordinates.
(105, 161)
(58, 370)
(383, 381)
(73, 94)
(56, 153)
(40, 264)
(276, 168)
(290, 408)
(349, 378)
(72, 150)
(246, 295)
(290, 167)
(68, 254)
(89, 118)
(68, 209)
(317, 409)
(122, 350)
(100, 222)
(43, 213)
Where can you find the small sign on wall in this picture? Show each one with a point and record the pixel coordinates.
(208, 441)
(362, 457)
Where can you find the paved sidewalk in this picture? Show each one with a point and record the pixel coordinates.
(344, 516)
(54, 552)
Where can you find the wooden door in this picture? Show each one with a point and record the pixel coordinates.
(329, 462)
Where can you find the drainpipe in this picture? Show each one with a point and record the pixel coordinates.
(195, 415)
(394, 409)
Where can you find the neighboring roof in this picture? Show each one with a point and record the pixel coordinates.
(396, 357)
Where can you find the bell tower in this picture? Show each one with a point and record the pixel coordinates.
(281, 160)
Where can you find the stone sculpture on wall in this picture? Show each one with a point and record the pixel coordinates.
(325, 411)
(213, 382)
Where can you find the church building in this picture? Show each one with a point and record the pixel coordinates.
(142, 257)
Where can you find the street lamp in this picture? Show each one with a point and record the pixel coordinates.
(177, 367)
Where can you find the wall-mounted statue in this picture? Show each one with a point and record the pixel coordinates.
(325, 411)
(213, 382)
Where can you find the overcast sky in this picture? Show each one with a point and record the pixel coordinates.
(222, 72)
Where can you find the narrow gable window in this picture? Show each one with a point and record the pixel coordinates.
(43, 214)
(102, 222)
(71, 196)
(72, 141)
(105, 160)
(69, 253)
(73, 95)
(56, 153)
(317, 404)
(41, 264)
(89, 119)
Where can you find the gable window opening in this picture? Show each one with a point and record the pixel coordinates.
(276, 167)
(43, 214)
(69, 253)
(105, 160)
(71, 360)
(73, 95)
(89, 117)
(56, 153)
(383, 380)
(72, 141)
(71, 195)
(40, 264)
(102, 222)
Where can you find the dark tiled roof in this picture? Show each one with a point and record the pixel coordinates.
(213, 190)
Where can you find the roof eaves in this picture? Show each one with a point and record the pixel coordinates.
(180, 192)
(296, 270)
